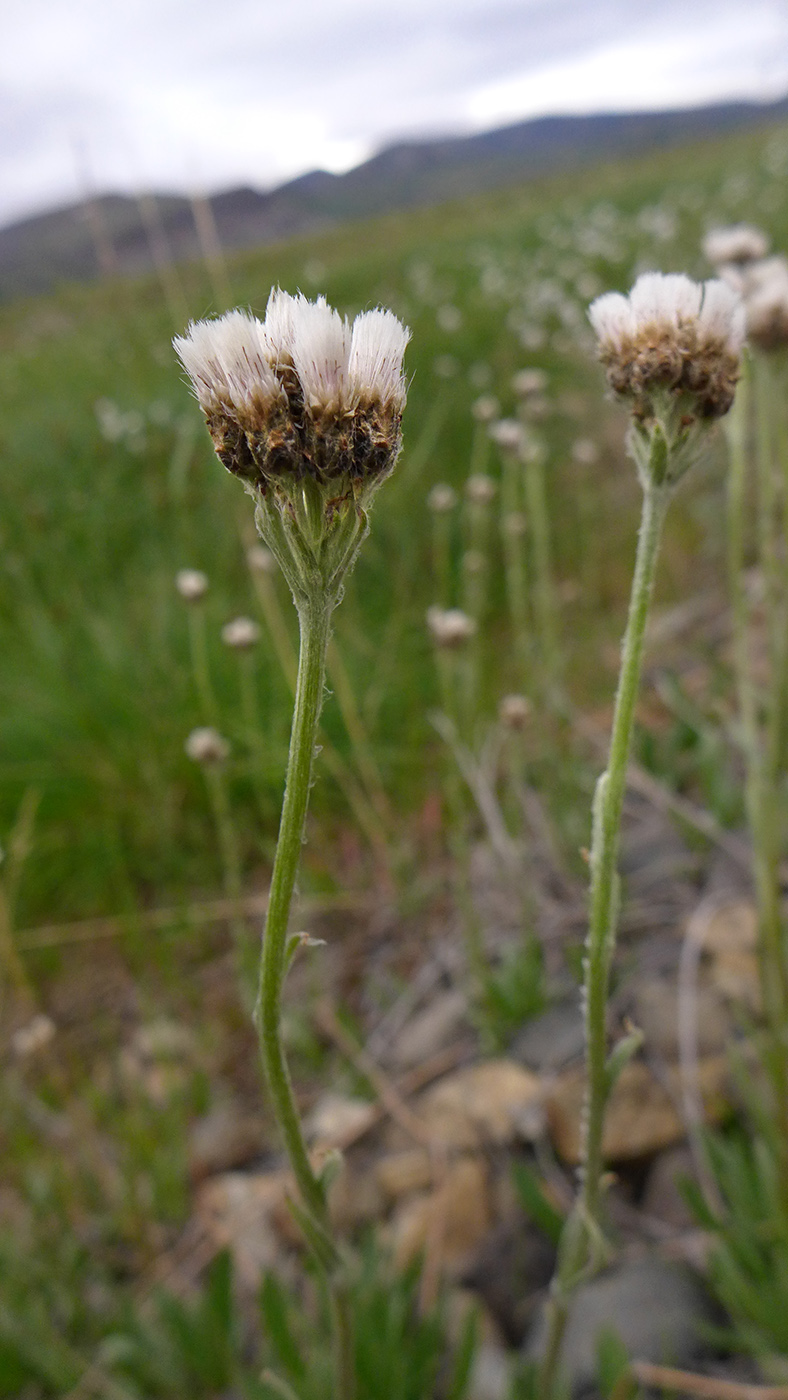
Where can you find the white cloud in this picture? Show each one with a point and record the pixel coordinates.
(178, 93)
(666, 68)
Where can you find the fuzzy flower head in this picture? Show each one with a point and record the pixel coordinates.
(301, 393)
(764, 290)
(449, 627)
(305, 407)
(671, 349)
(241, 634)
(737, 245)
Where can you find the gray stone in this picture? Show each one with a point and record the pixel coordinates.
(552, 1040)
(491, 1375)
(431, 1029)
(656, 1309)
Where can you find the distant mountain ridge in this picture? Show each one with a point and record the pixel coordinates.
(123, 233)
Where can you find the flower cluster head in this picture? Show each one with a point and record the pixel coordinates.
(192, 584)
(449, 627)
(763, 287)
(514, 711)
(671, 347)
(508, 434)
(480, 489)
(528, 382)
(305, 408)
(301, 393)
(241, 634)
(207, 747)
(441, 499)
(735, 246)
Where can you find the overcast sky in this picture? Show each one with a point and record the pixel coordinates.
(204, 94)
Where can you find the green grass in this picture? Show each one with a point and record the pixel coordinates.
(96, 695)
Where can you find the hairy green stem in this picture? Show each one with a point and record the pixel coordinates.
(761, 776)
(581, 1241)
(315, 622)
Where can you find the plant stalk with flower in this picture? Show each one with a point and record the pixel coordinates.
(305, 409)
(671, 353)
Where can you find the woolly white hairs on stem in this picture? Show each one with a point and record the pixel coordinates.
(377, 348)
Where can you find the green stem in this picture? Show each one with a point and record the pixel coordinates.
(760, 776)
(200, 668)
(544, 590)
(230, 856)
(315, 623)
(441, 556)
(514, 565)
(577, 1251)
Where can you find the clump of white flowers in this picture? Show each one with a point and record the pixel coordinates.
(302, 392)
(671, 349)
(305, 408)
(764, 290)
(736, 245)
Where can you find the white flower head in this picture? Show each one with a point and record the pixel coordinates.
(442, 499)
(449, 627)
(480, 489)
(241, 634)
(226, 362)
(320, 348)
(739, 244)
(671, 336)
(529, 381)
(508, 434)
(377, 349)
(764, 287)
(301, 393)
(192, 584)
(514, 711)
(207, 747)
(486, 408)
